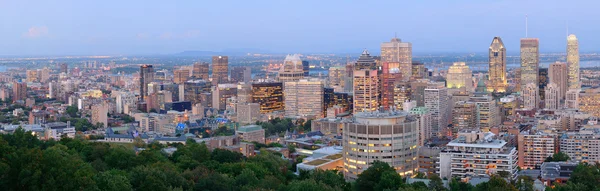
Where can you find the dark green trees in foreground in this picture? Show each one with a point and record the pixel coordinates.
(27, 163)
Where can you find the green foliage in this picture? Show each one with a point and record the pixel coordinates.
(72, 111)
(277, 126)
(584, 177)
(371, 178)
(496, 183)
(558, 157)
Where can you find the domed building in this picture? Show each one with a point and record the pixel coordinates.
(292, 70)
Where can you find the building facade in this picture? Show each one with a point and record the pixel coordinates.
(530, 59)
(220, 69)
(398, 52)
(366, 90)
(573, 62)
(497, 66)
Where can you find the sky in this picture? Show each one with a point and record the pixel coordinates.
(130, 27)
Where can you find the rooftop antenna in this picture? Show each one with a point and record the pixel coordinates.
(525, 25)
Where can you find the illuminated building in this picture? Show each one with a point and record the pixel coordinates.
(459, 77)
(464, 117)
(487, 110)
(365, 62)
(146, 76)
(436, 100)
(388, 77)
(304, 98)
(193, 90)
(337, 76)
(557, 73)
(221, 93)
(477, 154)
(390, 137)
(589, 102)
(572, 99)
(417, 93)
(423, 123)
(269, 95)
(248, 113)
(220, 69)
(418, 70)
(398, 52)
(534, 148)
(497, 66)
(530, 96)
(573, 62)
(180, 76)
(552, 100)
(200, 71)
(241, 74)
(530, 59)
(542, 82)
(366, 90)
(582, 146)
(305, 68)
(401, 94)
(291, 70)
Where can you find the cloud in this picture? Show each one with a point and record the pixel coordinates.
(36, 32)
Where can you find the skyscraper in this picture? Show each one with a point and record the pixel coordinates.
(464, 117)
(64, 68)
(530, 96)
(269, 95)
(220, 69)
(542, 82)
(305, 68)
(459, 77)
(497, 66)
(365, 62)
(337, 78)
(558, 74)
(146, 76)
(180, 76)
(291, 70)
(366, 90)
(573, 61)
(436, 100)
(304, 98)
(389, 77)
(19, 91)
(398, 52)
(200, 71)
(530, 59)
(241, 74)
(552, 100)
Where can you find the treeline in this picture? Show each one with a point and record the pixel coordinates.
(27, 163)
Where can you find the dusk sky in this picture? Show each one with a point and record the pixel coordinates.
(110, 27)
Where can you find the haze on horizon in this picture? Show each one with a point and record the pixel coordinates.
(71, 27)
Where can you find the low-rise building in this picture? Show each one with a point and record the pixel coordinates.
(251, 133)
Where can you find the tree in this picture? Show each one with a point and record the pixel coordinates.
(389, 180)
(369, 178)
(456, 185)
(112, 180)
(226, 156)
(436, 183)
(558, 157)
(496, 183)
(72, 111)
(307, 185)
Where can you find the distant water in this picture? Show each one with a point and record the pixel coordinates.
(3, 68)
(582, 64)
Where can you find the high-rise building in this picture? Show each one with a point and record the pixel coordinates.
(64, 68)
(398, 52)
(304, 98)
(469, 156)
(200, 71)
(390, 137)
(401, 94)
(19, 91)
(542, 82)
(573, 62)
(530, 59)
(424, 123)
(220, 69)
(557, 73)
(337, 77)
(33, 76)
(388, 78)
(530, 96)
(241, 74)
(248, 113)
(487, 110)
(305, 68)
(589, 102)
(100, 114)
(517, 80)
(269, 95)
(464, 117)
(572, 99)
(436, 100)
(459, 77)
(497, 66)
(366, 90)
(192, 91)
(534, 148)
(365, 62)
(552, 100)
(418, 91)
(180, 76)
(146, 76)
(418, 70)
(220, 94)
(291, 70)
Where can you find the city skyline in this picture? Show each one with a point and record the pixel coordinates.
(71, 28)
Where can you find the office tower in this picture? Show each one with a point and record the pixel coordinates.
(418, 91)
(487, 110)
(241, 74)
(436, 100)
(390, 137)
(248, 113)
(459, 77)
(64, 68)
(517, 80)
(398, 52)
(220, 69)
(464, 117)
(467, 151)
(146, 76)
(192, 91)
(542, 82)
(388, 77)
(534, 148)
(401, 94)
(552, 100)
(573, 62)
(124, 99)
(344, 100)
(418, 70)
(44, 75)
(572, 99)
(269, 95)
(337, 77)
(497, 66)
(366, 90)
(19, 91)
(365, 62)
(424, 123)
(304, 98)
(100, 114)
(530, 96)
(530, 60)
(558, 74)
(220, 94)
(305, 68)
(508, 104)
(33, 76)
(291, 70)
(200, 71)
(589, 102)
(328, 99)
(180, 76)
(348, 78)
(244, 93)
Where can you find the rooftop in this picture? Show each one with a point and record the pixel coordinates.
(249, 128)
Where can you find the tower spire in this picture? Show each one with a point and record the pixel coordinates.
(526, 26)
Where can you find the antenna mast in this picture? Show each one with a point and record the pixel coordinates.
(525, 25)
